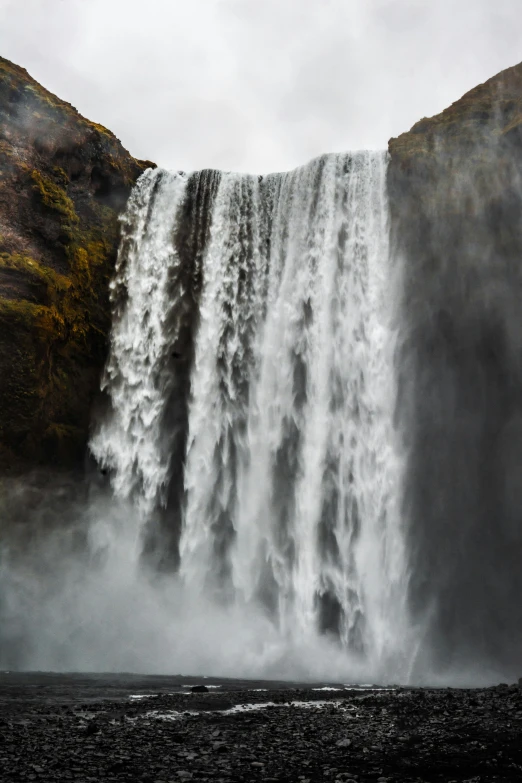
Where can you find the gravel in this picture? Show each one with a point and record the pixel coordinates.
(47, 733)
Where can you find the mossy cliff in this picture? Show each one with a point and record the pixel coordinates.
(63, 182)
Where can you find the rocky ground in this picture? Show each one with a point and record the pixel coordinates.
(71, 728)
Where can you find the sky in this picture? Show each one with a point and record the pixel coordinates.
(259, 85)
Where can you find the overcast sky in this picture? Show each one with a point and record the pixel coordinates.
(259, 85)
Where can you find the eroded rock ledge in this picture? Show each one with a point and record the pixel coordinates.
(63, 182)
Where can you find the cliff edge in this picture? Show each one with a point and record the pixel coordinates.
(63, 182)
(463, 165)
(455, 188)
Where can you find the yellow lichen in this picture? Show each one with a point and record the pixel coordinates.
(19, 311)
(54, 325)
(54, 281)
(7, 149)
(81, 266)
(54, 197)
(61, 175)
(101, 129)
(516, 122)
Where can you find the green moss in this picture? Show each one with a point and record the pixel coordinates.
(6, 149)
(18, 313)
(48, 102)
(54, 326)
(480, 118)
(53, 284)
(516, 122)
(61, 432)
(54, 197)
(33, 268)
(64, 315)
(101, 129)
(18, 307)
(61, 176)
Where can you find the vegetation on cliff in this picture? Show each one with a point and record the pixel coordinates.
(462, 147)
(63, 182)
(455, 190)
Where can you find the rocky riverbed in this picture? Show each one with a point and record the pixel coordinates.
(163, 730)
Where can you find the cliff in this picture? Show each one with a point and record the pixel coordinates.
(63, 182)
(455, 187)
(462, 166)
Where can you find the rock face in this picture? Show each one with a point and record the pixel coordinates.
(455, 185)
(462, 165)
(63, 182)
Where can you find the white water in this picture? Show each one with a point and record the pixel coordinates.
(291, 475)
(131, 442)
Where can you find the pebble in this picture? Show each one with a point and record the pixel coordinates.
(462, 735)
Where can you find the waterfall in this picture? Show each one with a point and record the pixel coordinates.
(131, 441)
(252, 370)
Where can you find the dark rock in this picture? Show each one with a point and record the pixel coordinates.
(216, 704)
(455, 202)
(199, 689)
(63, 182)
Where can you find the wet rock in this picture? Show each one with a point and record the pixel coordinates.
(454, 741)
(211, 704)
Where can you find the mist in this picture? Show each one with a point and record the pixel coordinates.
(457, 239)
(75, 596)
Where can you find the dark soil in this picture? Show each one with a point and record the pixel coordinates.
(87, 728)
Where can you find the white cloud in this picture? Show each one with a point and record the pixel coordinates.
(258, 85)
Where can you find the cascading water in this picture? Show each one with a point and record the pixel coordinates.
(289, 472)
(131, 440)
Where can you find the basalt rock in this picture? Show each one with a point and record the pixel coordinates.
(462, 166)
(455, 188)
(63, 182)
